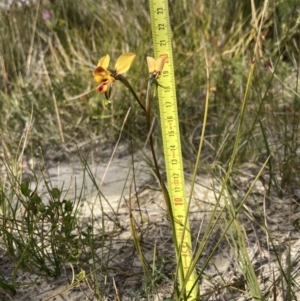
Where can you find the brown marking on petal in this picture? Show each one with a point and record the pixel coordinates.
(100, 88)
(103, 87)
(101, 71)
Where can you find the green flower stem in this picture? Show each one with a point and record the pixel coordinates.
(147, 111)
(125, 82)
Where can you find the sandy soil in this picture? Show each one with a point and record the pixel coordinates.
(114, 180)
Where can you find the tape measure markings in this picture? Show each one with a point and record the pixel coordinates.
(161, 33)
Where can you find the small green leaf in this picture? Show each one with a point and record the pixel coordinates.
(36, 199)
(68, 206)
(55, 193)
(25, 189)
(42, 208)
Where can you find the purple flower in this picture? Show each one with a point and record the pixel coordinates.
(46, 14)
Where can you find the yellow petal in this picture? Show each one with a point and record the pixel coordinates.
(156, 66)
(104, 61)
(100, 74)
(98, 79)
(160, 62)
(151, 64)
(124, 62)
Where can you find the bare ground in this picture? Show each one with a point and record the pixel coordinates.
(222, 279)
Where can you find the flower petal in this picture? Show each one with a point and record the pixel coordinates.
(100, 71)
(103, 87)
(156, 66)
(151, 64)
(101, 75)
(104, 61)
(124, 62)
(160, 62)
(98, 79)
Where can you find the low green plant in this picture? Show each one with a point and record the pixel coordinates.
(46, 238)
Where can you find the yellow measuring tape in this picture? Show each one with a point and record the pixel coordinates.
(161, 33)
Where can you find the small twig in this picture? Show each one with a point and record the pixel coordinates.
(115, 149)
(116, 290)
(274, 288)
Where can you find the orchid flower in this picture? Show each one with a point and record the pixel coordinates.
(106, 77)
(155, 66)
